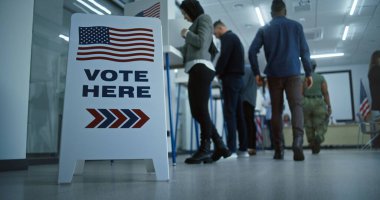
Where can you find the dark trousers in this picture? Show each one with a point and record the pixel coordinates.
(233, 112)
(292, 87)
(249, 116)
(269, 127)
(200, 78)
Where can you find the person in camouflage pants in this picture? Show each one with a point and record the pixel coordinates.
(317, 109)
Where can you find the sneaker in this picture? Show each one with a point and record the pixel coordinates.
(242, 154)
(233, 156)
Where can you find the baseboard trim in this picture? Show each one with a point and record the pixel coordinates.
(13, 165)
(42, 158)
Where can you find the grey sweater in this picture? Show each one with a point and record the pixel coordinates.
(198, 40)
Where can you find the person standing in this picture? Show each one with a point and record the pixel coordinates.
(230, 69)
(374, 85)
(196, 58)
(316, 110)
(268, 114)
(284, 43)
(248, 96)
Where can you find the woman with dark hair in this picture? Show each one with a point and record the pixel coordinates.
(197, 62)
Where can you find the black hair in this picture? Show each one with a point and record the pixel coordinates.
(218, 23)
(278, 6)
(192, 8)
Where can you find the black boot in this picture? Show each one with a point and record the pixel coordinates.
(316, 147)
(278, 147)
(202, 155)
(312, 146)
(220, 149)
(279, 154)
(297, 148)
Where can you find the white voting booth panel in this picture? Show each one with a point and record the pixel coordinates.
(114, 101)
(171, 27)
(162, 9)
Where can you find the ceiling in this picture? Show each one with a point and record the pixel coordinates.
(324, 22)
(325, 18)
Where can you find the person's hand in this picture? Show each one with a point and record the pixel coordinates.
(309, 82)
(184, 32)
(259, 80)
(329, 111)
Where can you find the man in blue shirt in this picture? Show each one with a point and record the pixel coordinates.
(284, 43)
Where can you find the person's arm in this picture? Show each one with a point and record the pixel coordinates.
(254, 49)
(204, 30)
(305, 57)
(326, 96)
(225, 53)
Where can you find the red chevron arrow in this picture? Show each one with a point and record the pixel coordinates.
(98, 118)
(143, 118)
(121, 118)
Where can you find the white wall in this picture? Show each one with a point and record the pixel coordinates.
(16, 22)
(358, 72)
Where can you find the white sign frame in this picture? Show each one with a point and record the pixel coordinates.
(148, 140)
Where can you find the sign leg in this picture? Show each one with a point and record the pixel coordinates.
(66, 171)
(161, 168)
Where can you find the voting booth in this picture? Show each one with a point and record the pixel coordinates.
(165, 11)
(114, 102)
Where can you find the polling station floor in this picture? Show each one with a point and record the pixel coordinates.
(334, 174)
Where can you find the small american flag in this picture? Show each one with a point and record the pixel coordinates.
(153, 11)
(114, 44)
(259, 133)
(364, 103)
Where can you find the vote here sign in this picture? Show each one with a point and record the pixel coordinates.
(114, 100)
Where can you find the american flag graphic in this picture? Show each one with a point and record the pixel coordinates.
(365, 108)
(115, 44)
(153, 11)
(259, 133)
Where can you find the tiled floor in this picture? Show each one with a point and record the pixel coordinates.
(334, 174)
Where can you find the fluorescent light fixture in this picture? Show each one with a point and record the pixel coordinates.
(345, 33)
(354, 4)
(100, 6)
(90, 7)
(64, 37)
(121, 4)
(260, 16)
(329, 55)
(81, 8)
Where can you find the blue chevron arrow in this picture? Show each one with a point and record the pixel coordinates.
(109, 118)
(132, 118)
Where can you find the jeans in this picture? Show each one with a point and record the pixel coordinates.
(200, 78)
(292, 87)
(233, 112)
(269, 128)
(249, 115)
